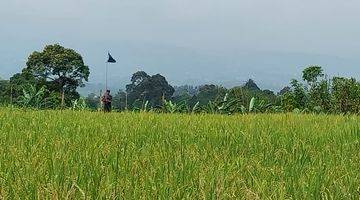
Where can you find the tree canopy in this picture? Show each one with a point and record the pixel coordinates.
(144, 88)
(59, 69)
(312, 73)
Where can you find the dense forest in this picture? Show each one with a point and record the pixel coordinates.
(51, 78)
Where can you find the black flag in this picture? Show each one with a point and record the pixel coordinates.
(111, 59)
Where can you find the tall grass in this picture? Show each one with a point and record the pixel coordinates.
(75, 155)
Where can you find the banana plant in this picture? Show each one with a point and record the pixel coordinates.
(210, 108)
(195, 108)
(225, 106)
(146, 105)
(32, 97)
(251, 107)
(79, 104)
(170, 107)
(252, 104)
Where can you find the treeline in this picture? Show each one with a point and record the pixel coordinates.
(159, 96)
(315, 93)
(321, 94)
(50, 80)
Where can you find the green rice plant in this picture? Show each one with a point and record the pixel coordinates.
(130, 155)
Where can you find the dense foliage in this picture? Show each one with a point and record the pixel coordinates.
(56, 71)
(51, 77)
(336, 95)
(5, 97)
(145, 88)
(315, 93)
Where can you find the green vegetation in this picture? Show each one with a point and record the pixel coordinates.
(185, 142)
(73, 155)
(316, 93)
(56, 72)
(51, 78)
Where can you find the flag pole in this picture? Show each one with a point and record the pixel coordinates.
(106, 79)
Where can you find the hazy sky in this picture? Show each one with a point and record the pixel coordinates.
(319, 27)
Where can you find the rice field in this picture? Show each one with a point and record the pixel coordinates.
(90, 155)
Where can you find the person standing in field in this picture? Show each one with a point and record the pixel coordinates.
(106, 100)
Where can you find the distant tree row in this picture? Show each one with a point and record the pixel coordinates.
(316, 93)
(320, 94)
(51, 78)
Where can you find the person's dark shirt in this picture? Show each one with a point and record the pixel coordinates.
(106, 98)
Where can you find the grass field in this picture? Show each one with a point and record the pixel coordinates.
(75, 155)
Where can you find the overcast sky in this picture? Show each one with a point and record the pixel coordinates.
(319, 27)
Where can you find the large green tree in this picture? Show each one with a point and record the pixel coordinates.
(144, 88)
(312, 73)
(299, 95)
(119, 100)
(92, 101)
(60, 69)
(208, 93)
(4, 91)
(345, 95)
(319, 91)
